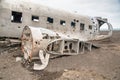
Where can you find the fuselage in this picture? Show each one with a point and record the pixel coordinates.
(18, 14)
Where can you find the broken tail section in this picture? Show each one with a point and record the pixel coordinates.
(43, 43)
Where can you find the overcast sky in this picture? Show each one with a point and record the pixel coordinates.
(105, 8)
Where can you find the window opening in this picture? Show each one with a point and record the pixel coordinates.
(62, 22)
(16, 17)
(82, 25)
(90, 26)
(73, 24)
(50, 20)
(35, 18)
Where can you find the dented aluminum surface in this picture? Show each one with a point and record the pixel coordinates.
(37, 41)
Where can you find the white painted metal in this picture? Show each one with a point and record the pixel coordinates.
(37, 39)
(44, 58)
(13, 29)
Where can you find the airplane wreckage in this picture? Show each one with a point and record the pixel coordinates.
(51, 32)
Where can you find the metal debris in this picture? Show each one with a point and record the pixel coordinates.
(43, 43)
(44, 58)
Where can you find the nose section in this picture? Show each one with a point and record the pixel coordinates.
(101, 22)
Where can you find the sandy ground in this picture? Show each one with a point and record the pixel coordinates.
(99, 64)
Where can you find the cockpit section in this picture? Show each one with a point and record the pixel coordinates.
(108, 28)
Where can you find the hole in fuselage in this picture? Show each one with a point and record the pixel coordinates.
(70, 45)
(66, 47)
(104, 29)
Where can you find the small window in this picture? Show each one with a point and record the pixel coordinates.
(73, 24)
(62, 22)
(16, 17)
(35, 18)
(50, 20)
(90, 26)
(82, 26)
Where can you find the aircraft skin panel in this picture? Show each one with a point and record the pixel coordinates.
(39, 15)
(27, 21)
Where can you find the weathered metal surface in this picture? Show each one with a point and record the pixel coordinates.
(110, 30)
(8, 28)
(44, 58)
(53, 36)
(37, 41)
